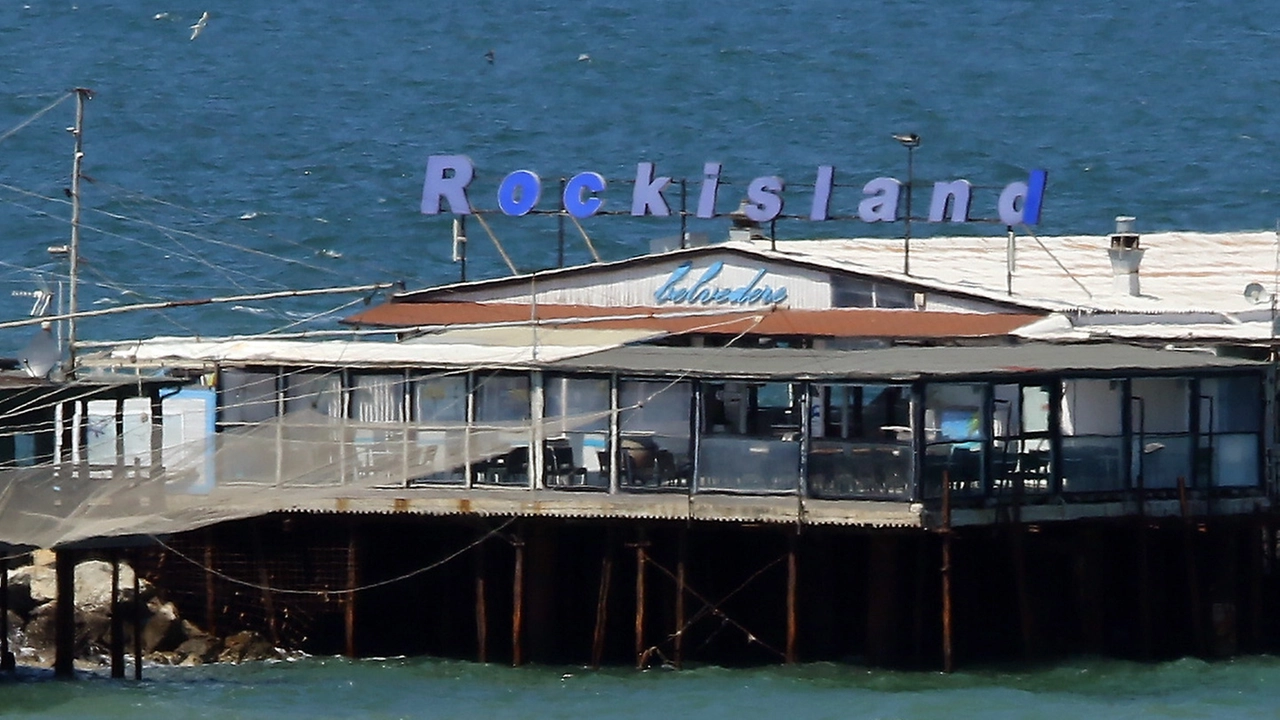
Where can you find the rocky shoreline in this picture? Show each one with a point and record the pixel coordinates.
(167, 638)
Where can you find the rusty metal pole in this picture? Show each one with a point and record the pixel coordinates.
(117, 621)
(517, 605)
(792, 570)
(602, 604)
(948, 664)
(482, 614)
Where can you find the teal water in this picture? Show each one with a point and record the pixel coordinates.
(331, 688)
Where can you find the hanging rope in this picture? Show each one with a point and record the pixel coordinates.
(586, 238)
(512, 266)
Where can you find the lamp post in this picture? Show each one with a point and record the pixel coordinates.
(910, 141)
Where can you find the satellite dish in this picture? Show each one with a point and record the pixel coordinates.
(1255, 293)
(41, 354)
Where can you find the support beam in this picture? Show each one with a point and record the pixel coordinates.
(7, 660)
(640, 546)
(482, 613)
(137, 623)
(1189, 552)
(682, 561)
(117, 620)
(948, 663)
(64, 618)
(349, 602)
(517, 605)
(1144, 589)
(602, 604)
(210, 589)
(793, 539)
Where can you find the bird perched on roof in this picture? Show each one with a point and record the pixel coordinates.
(199, 26)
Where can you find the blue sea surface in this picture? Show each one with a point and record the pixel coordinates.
(285, 146)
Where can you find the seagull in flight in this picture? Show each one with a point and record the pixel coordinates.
(199, 26)
(489, 56)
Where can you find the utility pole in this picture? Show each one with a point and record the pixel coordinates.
(73, 254)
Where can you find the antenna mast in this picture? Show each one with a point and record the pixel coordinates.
(73, 254)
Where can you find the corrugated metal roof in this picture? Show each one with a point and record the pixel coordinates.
(898, 363)
(844, 322)
(493, 347)
(1180, 272)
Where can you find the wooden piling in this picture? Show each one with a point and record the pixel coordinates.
(117, 620)
(210, 589)
(349, 601)
(1144, 589)
(482, 613)
(64, 618)
(640, 546)
(793, 539)
(602, 604)
(1194, 604)
(1017, 547)
(264, 586)
(137, 623)
(681, 563)
(7, 663)
(517, 605)
(948, 664)
(1257, 559)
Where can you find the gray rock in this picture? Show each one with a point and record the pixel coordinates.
(247, 646)
(163, 630)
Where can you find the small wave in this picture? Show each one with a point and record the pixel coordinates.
(250, 215)
(250, 310)
(329, 253)
(106, 301)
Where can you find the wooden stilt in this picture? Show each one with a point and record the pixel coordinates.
(482, 613)
(1018, 548)
(1089, 603)
(1257, 559)
(793, 539)
(349, 602)
(602, 604)
(917, 624)
(7, 663)
(1194, 604)
(210, 590)
(681, 564)
(1144, 589)
(64, 622)
(117, 620)
(640, 546)
(264, 583)
(137, 624)
(517, 606)
(948, 664)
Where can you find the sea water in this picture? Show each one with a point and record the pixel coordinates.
(317, 688)
(285, 148)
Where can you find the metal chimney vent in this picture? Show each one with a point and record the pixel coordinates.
(1126, 257)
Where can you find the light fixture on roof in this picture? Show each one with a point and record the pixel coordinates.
(910, 141)
(1256, 293)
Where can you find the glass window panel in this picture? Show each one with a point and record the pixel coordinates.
(1231, 404)
(577, 404)
(440, 399)
(247, 397)
(1164, 407)
(314, 392)
(1092, 407)
(502, 398)
(377, 398)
